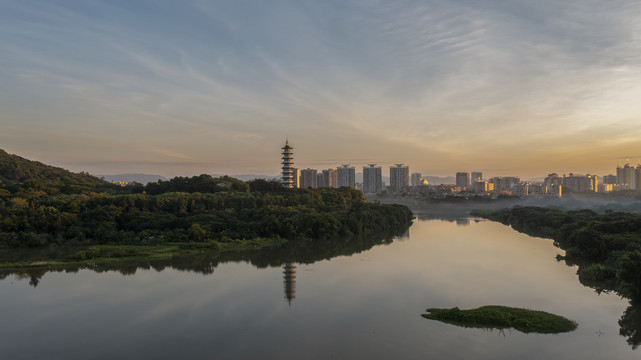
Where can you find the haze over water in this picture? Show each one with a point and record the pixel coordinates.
(366, 305)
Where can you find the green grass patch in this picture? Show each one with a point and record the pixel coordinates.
(106, 253)
(503, 317)
(251, 244)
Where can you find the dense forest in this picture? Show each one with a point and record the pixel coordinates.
(42, 205)
(606, 246)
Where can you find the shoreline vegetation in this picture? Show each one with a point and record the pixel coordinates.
(606, 247)
(54, 258)
(503, 317)
(47, 207)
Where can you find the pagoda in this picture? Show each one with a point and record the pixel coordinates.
(287, 174)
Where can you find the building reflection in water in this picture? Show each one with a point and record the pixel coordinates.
(289, 280)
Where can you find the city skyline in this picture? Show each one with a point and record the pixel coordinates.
(192, 87)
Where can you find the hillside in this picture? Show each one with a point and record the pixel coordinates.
(19, 175)
(42, 205)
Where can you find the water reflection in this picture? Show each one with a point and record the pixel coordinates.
(289, 280)
(630, 324)
(301, 251)
(630, 321)
(290, 258)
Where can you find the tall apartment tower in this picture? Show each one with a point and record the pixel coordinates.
(415, 179)
(372, 179)
(579, 183)
(295, 176)
(553, 179)
(610, 179)
(308, 178)
(626, 178)
(463, 180)
(345, 176)
(477, 176)
(399, 177)
(327, 178)
(288, 172)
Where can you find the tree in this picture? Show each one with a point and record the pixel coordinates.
(197, 233)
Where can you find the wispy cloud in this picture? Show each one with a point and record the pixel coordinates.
(420, 82)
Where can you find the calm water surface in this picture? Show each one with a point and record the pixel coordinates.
(366, 305)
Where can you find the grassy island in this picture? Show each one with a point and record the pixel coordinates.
(605, 245)
(503, 317)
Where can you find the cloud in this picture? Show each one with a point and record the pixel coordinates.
(423, 82)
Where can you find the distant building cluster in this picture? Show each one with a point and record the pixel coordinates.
(345, 175)
(627, 178)
(466, 183)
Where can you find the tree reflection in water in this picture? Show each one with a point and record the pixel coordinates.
(300, 251)
(286, 256)
(630, 324)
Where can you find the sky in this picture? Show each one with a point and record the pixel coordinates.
(509, 88)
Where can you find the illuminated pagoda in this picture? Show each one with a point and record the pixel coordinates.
(287, 175)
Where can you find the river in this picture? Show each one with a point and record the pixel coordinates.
(361, 304)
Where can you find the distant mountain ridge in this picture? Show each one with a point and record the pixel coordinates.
(129, 178)
(247, 177)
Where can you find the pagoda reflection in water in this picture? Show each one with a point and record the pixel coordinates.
(289, 280)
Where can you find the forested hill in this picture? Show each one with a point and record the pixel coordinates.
(32, 178)
(42, 205)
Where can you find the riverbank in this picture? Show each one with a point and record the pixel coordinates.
(109, 253)
(606, 247)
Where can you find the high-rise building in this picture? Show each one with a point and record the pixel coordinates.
(538, 190)
(626, 178)
(553, 179)
(463, 180)
(288, 171)
(521, 189)
(476, 176)
(308, 178)
(480, 187)
(504, 183)
(610, 179)
(327, 178)
(345, 176)
(555, 190)
(415, 179)
(580, 183)
(399, 177)
(372, 179)
(295, 177)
